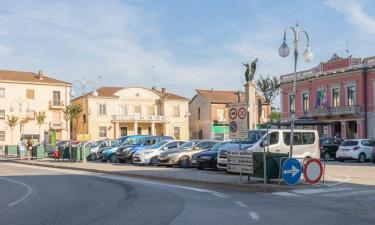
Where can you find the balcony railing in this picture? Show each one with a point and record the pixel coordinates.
(56, 104)
(334, 111)
(56, 125)
(139, 118)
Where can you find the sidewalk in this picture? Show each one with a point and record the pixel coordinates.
(184, 176)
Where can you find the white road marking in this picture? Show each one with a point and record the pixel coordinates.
(254, 215)
(29, 189)
(320, 190)
(285, 194)
(338, 195)
(341, 181)
(241, 204)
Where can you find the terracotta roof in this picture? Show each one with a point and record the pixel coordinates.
(169, 96)
(108, 91)
(215, 96)
(19, 76)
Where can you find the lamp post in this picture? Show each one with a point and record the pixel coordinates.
(308, 56)
(83, 85)
(20, 103)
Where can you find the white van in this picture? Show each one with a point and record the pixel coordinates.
(305, 145)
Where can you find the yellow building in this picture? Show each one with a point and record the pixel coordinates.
(120, 111)
(24, 94)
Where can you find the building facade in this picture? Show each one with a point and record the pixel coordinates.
(209, 113)
(24, 95)
(119, 111)
(339, 92)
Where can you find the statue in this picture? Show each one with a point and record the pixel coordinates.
(250, 70)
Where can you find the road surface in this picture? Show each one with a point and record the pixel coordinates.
(34, 195)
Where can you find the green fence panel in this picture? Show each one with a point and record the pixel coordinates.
(273, 165)
(11, 150)
(41, 152)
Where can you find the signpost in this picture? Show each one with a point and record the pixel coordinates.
(313, 171)
(291, 171)
(238, 127)
(240, 161)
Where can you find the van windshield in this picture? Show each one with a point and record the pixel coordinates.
(255, 136)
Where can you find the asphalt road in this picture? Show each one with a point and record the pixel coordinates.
(33, 195)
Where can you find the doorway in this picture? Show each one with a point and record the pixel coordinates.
(351, 131)
(336, 132)
(124, 131)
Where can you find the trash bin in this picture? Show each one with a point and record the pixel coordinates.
(66, 154)
(40, 152)
(273, 165)
(11, 150)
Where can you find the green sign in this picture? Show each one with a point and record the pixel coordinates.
(219, 129)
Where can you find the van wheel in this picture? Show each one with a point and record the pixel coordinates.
(184, 162)
(362, 158)
(326, 156)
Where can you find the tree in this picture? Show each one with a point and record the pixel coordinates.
(67, 118)
(12, 122)
(268, 87)
(72, 112)
(41, 119)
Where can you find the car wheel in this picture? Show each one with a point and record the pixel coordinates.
(200, 167)
(184, 162)
(121, 160)
(104, 160)
(113, 159)
(131, 158)
(341, 160)
(154, 161)
(373, 160)
(326, 156)
(362, 158)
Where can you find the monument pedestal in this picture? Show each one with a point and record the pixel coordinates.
(251, 102)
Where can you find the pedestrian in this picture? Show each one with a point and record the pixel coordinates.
(22, 149)
(29, 148)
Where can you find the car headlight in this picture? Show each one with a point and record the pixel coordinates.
(147, 153)
(206, 157)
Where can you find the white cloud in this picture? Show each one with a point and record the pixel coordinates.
(354, 14)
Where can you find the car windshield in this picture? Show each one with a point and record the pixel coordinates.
(95, 144)
(158, 144)
(349, 143)
(327, 141)
(217, 146)
(133, 140)
(188, 145)
(116, 143)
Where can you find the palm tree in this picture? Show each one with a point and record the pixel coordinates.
(12, 122)
(74, 111)
(41, 119)
(67, 118)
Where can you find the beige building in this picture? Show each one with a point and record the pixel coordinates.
(119, 111)
(24, 94)
(209, 113)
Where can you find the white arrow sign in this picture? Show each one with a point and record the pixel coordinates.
(293, 171)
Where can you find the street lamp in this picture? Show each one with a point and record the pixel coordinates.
(284, 51)
(83, 85)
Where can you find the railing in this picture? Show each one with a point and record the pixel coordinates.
(150, 118)
(56, 125)
(56, 104)
(334, 111)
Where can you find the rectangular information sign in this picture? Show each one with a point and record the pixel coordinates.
(238, 122)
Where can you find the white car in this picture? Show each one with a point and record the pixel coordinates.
(358, 149)
(150, 155)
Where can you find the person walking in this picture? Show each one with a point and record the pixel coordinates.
(29, 148)
(22, 149)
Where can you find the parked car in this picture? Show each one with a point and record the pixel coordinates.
(115, 145)
(150, 154)
(357, 149)
(125, 153)
(207, 159)
(182, 156)
(328, 147)
(96, 145)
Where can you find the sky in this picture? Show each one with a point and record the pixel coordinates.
(177, 44)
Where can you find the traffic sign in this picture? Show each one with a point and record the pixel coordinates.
(240, 153)
(242, 113)
(240, 169)
(240, 161)
(233, 126)
(313, 171)
(233, 113)
(291, 171)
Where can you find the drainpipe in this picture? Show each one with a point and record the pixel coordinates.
(365, 95)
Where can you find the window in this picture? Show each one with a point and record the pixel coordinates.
(199, 113)
(368, 143)
(149, 131)
(102, 109)
(102, 131)
(137, 109)
(139, 130)
(2, 114)
(202, 145)
(56, 98)
(150, 110)
(273, 138)
(123, 110)
(308, 138)
(305, 102)
(2, 135)
(176, 111)
(335, 97)
(171, 145)
(30, 94)
(297, 138)
(291, 103)
(220, 115)
(176, 133)
(2, 92)
(350, 95)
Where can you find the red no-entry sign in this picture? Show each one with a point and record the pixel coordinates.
(313, 171)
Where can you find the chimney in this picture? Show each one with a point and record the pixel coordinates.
(163, 90)
(40, 75)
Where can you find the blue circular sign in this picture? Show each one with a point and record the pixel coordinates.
(233, 126)
(291, 171)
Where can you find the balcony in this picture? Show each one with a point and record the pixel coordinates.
(139, 118)
(56, 104)
(56, 125)
(334, 111)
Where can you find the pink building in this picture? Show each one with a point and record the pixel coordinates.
(340, 92)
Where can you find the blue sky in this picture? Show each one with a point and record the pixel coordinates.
(193, 44)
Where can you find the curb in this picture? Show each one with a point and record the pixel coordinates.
(240, 187)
